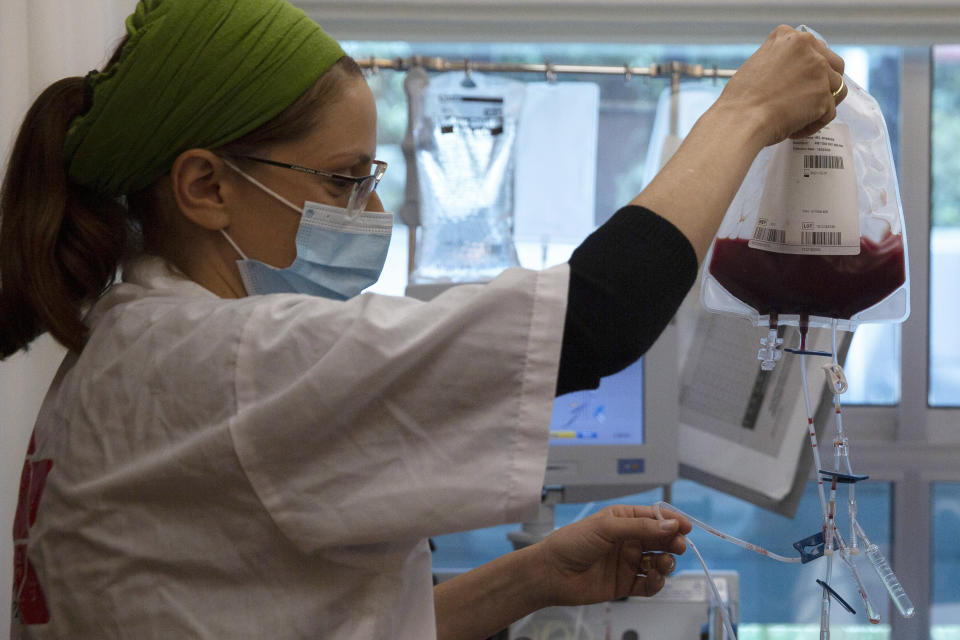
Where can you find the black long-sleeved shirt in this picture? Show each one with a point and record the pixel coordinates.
(627, 280)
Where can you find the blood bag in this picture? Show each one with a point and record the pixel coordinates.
(816, 234)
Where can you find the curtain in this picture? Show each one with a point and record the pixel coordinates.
(41, 41)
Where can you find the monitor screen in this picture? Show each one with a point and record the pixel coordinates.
(610, 414)
(620, 438)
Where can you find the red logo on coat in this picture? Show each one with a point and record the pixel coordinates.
(30, 605)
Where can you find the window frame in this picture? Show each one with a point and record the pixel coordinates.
(660, 21)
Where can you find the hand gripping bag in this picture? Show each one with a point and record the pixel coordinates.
(815, 235)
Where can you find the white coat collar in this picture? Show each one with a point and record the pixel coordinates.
(145, 275)
(155, 273)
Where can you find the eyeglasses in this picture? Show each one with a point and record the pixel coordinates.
(350, 191)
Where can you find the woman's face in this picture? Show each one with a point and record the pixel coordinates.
(343, 142)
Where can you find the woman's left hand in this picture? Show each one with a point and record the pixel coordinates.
(617, 552)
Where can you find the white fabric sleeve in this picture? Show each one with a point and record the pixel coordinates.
(386, 418)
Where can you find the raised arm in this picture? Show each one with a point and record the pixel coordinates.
(629, 277)
(785, 89)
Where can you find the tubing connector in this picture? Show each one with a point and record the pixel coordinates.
(770, 352)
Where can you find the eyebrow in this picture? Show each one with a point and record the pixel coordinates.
(353, 157)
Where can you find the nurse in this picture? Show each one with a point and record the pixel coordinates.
(238, 445)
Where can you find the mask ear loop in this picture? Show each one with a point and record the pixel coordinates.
(233, 244)
(262, 186)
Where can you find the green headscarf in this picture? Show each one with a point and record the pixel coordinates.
(193, 74)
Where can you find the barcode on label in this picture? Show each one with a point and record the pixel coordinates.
(822, 238)
(778, 236)
(823, 162)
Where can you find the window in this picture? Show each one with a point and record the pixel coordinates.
(945, 559)
(945, 229)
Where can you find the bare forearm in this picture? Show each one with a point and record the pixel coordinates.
(697, 185)
(787, 88)
(482, 602)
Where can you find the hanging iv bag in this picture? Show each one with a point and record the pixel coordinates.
(465, 154)
(816, 233)
(677, 111)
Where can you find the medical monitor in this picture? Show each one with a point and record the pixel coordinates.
(620, 438)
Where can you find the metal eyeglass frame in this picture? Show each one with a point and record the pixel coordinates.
(365, 183)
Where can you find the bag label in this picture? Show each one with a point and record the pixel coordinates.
(809, 202)
(471, 112)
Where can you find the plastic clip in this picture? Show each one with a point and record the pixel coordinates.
(810, 548)
(808, 352)
(835, 378)
(842, 478)
(836, 596)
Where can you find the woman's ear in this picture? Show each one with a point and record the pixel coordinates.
(201, 188)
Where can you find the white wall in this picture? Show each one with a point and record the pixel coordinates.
(41, 41)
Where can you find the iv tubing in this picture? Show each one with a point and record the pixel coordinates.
(827, 531)
(724, 536)
(832, 533)
(841, 450)
(725, 614)
(872, 614)
(810, 427)
(825, 602)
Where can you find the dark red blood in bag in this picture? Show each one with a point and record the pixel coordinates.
(816, 285)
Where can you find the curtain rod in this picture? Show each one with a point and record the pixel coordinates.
(672, 69)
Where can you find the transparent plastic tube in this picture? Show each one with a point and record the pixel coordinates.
(872, 614)
(718, 601)
(825, 603)
(749, 546)
(889, 579)
(810, 428)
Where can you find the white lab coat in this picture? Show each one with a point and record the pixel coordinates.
(270, 467)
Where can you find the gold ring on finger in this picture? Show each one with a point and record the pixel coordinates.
(839, 89)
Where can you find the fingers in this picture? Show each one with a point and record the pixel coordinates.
(644, 511)
(835, 85)
(834, 64)
(835, 61)
(669, 514)
(663, 563)
(627, 524)
(650, 569)
(789, 84)
(651, 581)
(830, 112)
(648, 585)
(840, 92)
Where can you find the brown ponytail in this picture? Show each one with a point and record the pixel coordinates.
(60, 244)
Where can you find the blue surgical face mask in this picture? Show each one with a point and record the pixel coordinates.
(338, 254)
